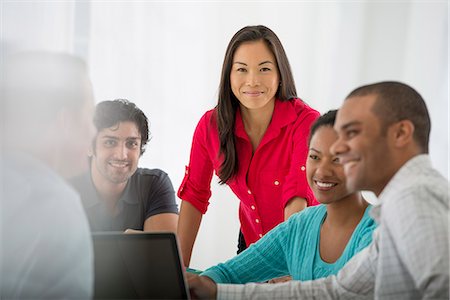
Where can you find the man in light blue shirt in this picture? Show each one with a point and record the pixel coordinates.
(46, 248)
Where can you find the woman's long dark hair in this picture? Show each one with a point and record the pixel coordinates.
(228, 103)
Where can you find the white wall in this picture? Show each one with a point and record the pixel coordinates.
(167, 57)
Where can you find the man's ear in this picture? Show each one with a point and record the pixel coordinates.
(403, 133)
(90, 152)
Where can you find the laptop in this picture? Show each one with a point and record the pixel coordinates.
(138, 266)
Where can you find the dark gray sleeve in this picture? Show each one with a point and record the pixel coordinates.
(161, 198)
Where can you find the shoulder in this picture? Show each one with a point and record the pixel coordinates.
(207, 124)
(28, 180)
(301, 113)
(309, 214)
(150, 183)
(304, 224)
(208, 117)
(303, 109)
(415, 181)
(314, 211)
(149, 174)
(152, 179)
(60, 205)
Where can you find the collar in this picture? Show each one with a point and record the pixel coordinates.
(284, 113)
(418, 162)
(92, 198)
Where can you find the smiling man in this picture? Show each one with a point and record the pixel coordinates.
(383, 140)
(116, 194)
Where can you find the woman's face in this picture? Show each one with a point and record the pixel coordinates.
(324, 172)
(254, 75)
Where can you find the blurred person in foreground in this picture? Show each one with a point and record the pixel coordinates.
(383, 141)
(46, 249)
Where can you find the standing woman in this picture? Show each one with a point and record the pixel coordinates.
(255, 139)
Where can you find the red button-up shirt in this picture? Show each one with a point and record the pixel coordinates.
(266, 180)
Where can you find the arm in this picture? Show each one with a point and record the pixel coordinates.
(160, 205)
(195, 188)
(268, 258)
(188, 225)
(162, 222)
(296, 186)
(293, 206)
(355, 281)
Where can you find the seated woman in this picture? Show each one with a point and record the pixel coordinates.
(316, 242)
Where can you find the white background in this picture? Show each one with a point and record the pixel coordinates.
(167, 56)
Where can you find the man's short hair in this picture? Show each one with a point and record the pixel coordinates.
(397, 101)
(111, 112)
(35, 87)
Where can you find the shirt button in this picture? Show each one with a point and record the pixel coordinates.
(276, 182)
(249, 192)
(302, 168)
(181, 189)
(257, 220)
(253, 207)
(186, 172)
(260, 235)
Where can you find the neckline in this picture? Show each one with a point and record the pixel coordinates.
(318, 256)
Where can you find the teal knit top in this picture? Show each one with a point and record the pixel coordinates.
(291, 248)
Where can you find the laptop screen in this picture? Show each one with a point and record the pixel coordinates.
(137, 266)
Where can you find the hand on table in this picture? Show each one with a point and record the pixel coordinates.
(280, 279)
(201, 287)
(129, 230)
